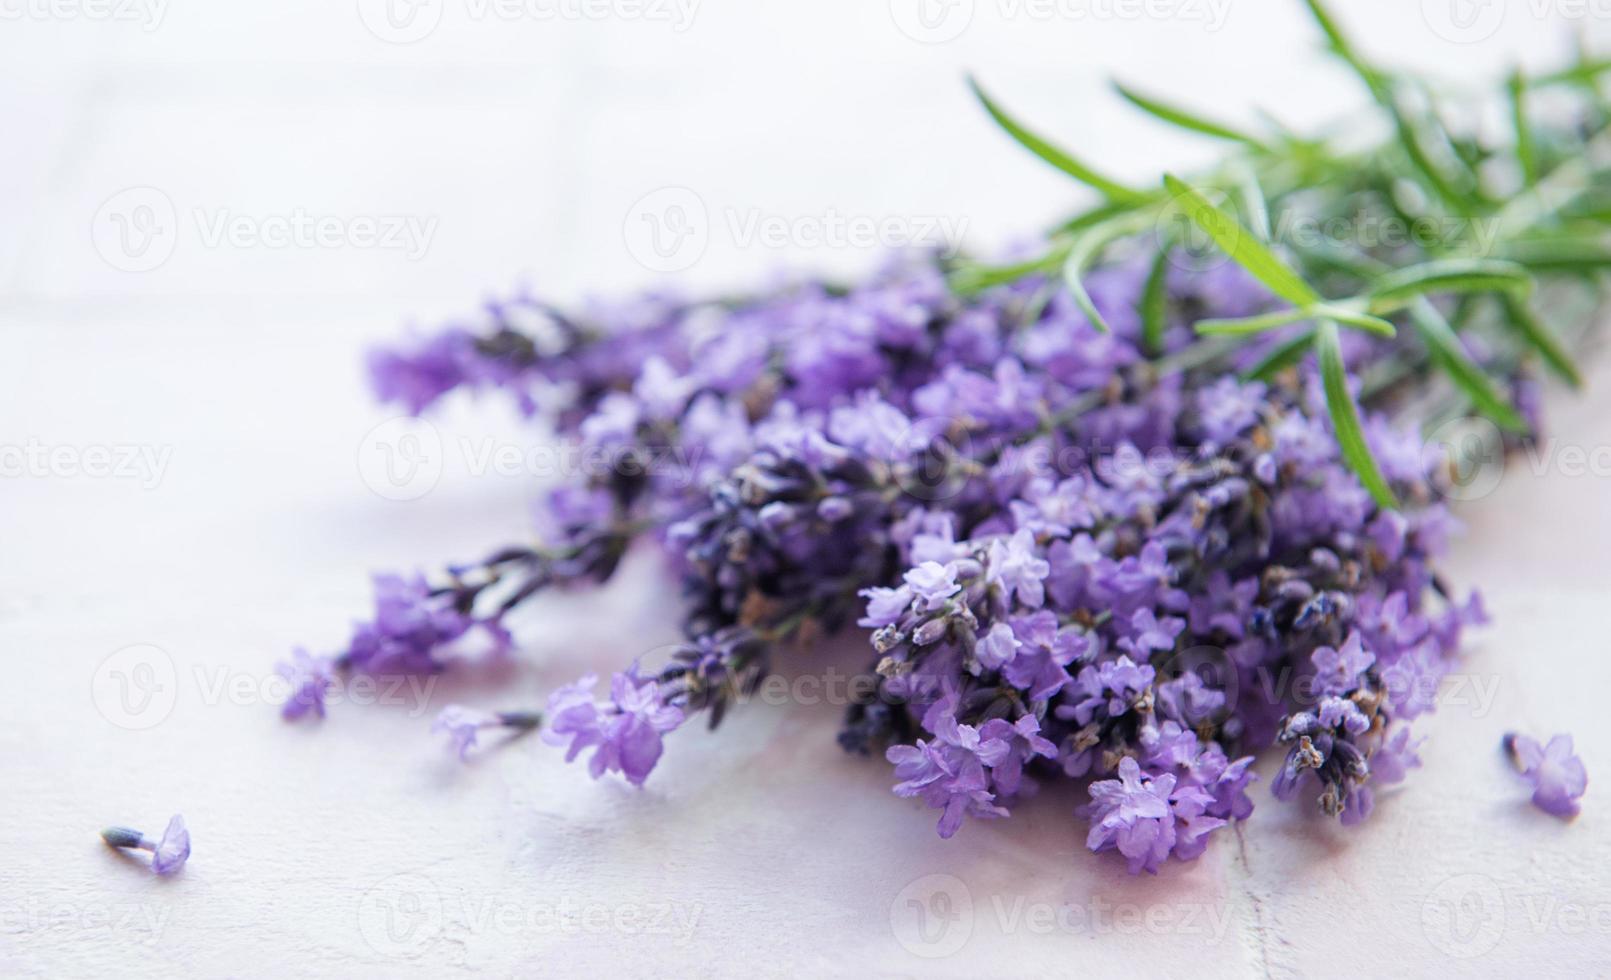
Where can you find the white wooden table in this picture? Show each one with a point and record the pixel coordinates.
(156, 299)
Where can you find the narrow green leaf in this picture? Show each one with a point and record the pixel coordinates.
(1526, 155)
(1093, 217)
(1540, 338)
(1155, 302)
(1413, 134)
(1084, 252)
(1281, 318)
(1583, 73)
(1184, 118)
(1244, 326)
(1111, 189)
(1560, 254)
(975, 278)
(1242, 245)
(1391, 291)
(1339, 41)
(1446, 349)
(1345, 421)
(1354, 318)
(1254, 202)
(1282, 356)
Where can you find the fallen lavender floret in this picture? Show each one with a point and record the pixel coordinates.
(168, 854)
(1556, 775)
(463, 726)
(1113, 513)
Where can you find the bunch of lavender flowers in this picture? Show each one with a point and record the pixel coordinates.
(1125, 512)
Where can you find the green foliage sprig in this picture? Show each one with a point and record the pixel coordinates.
(1539, 200)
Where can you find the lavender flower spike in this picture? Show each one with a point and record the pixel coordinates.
(463, 725)
(168, 855)
(1557, 776)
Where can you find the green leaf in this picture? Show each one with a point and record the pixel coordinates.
(1155, 301)
(1253, 202)
(1242, 245)
(1560, 254)
(1111, 189)
(1521, 319)
(1391, 291)
(971, 279)
(1283, 355)
(1345, 421)
(1185, 119)
(1582, 73)
(1339, 41)
(1526, 155)
(1085, 251)
(1093, 217)
(1446, 349)
(1413, 134)
(1354, 318)
(1243, 326)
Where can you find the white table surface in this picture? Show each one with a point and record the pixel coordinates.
(358, 847)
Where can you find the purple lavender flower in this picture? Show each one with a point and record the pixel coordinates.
(463, 726)
(1133, 814)
(624, 732)
(1149, 633)
(1395, 757)
(1016, 566)
(1027, 512)
(1109, 688)
(310, 678)
(1337, 671)
(932, 584)
(1556, 775)
(414, 627)
(949, 773)
(168, 855)
(1024, 742)
(419, 378)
